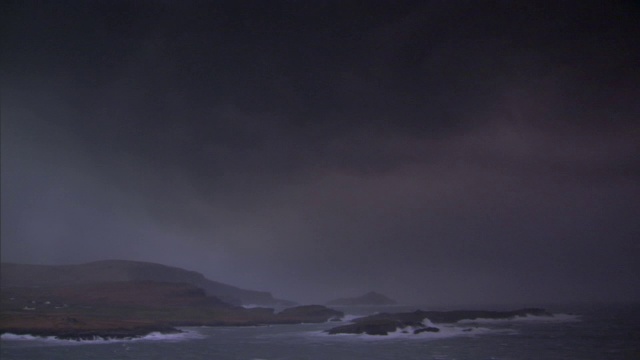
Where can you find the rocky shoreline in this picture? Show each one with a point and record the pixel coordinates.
(64, 303)
(95, 334)
(423, 321)
(124, 310)
(91, 328)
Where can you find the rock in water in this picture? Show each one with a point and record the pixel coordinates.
(426, 329)
(384, 323)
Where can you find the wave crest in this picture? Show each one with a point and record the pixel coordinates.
(552, 318)
(186, 334)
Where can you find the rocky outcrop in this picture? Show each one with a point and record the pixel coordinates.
(426, 329)
(131, 309)
(375, 327)
(418, 321)
(370, 298)
(438, 317)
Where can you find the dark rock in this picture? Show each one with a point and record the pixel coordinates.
(92, 334)
(384, 323)
(71, 320)
(426, 329)
(454, 316)
(376, 326)
(373, 327)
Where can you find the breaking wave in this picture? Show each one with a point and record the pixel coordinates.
(350, 317)
(407, 333)
(186, 334)
(252, 306)
(539, 318)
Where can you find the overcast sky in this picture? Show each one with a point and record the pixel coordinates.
(440, 152)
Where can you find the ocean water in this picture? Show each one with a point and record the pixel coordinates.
(593, 332)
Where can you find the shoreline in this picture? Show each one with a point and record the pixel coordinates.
(91, 334)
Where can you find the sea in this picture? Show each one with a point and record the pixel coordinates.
(574, 332)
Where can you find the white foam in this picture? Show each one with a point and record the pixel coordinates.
(446, 331)
(184, 335)
(154, 336)
(350, 317)
(16, 337)
(251, 306)
(427, 323)
(540, 318)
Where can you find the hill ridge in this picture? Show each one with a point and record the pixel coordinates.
(16, 274)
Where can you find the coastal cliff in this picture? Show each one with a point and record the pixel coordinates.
(25, 275)
(125, 299)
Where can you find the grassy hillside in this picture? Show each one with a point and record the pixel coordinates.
(23, 275)
(130, 308)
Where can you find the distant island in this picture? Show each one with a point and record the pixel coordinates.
(370, 298)
(127, 299)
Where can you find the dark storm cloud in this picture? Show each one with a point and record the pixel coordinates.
(439, 151)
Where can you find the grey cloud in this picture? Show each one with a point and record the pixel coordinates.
(438, 164)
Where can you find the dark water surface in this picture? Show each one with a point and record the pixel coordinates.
(595, 332)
